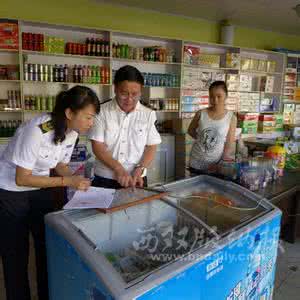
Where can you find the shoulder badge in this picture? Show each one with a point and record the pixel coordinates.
(46, 126)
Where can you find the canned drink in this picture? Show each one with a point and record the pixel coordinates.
(38, 103)
(43, 103)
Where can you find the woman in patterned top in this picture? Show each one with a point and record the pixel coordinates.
(214, 132)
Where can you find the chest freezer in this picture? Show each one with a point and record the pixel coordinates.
(208, 239)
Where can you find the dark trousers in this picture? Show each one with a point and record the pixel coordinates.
(107, 183)
(21, 213)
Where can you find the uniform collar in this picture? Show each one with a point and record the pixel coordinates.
(115, 103)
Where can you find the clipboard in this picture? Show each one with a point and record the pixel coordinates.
(128, 197)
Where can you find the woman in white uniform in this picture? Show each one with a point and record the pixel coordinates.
(43, 143)
(214, 132)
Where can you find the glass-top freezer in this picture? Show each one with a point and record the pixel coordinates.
(142, 238)
(222, 205)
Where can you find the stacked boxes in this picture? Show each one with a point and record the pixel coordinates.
(266, 123)
(232, 101)
(232, 60)
(232, 82)
(193, 100)
(267, 84)
(9, 35)
(279, 122)
(297, 114)
(252, 64)
(191, 55)
(245, 83)
(288, 114)
(269, 102)
(248, 122)
(209, 60)
(191, 78)
(249, 102)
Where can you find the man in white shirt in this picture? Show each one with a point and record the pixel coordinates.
(124, 137)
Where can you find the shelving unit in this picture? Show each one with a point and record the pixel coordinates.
(178, 66)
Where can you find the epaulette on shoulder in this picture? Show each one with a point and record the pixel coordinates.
(46, 126)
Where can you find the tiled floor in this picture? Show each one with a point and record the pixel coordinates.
(287, 285)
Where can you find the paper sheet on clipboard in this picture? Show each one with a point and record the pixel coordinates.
(94, 197)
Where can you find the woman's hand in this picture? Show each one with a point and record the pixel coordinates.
(78, 182)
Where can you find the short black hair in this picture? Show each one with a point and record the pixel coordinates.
(219, 83)
(128, 73)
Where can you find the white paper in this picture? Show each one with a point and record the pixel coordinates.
(94, 197)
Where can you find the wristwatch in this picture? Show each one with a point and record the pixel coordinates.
(144, 169)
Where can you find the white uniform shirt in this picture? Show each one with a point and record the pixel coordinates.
(32, 148)
(125, 135)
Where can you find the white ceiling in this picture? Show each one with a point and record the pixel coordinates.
(273, 15)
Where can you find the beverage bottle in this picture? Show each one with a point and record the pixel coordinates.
(107, 50)
(88, 45)
(66, 72)
(107, 76)
(102, 76)
(89, 74)
(114, 50)
(118, 51)
(103, 48)
(55, 73)
(50, 76)
(80, 74)
(98, 74)
(26, 77)
(75, 74)
(93, 47)
(98, 47)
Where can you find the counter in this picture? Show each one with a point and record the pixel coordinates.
(285, 193)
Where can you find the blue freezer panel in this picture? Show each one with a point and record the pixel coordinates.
(69, 276)
(242, 270)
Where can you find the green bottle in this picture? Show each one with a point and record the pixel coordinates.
(38, 102)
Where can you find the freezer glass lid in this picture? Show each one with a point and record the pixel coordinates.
(219, 206)
(143, 238)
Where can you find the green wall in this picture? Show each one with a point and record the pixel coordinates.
(88, 13)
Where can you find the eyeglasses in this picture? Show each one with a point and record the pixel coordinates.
(124, 96)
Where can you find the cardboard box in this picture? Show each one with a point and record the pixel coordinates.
(271, 66)
(210, 60)
(245, 83)
(245, 64)
(233, 60)
(9, 35)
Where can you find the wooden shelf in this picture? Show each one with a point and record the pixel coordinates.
(161, 87)
(7, 80)
(210, 68)
(54, 82)
(36, 111)
(11, 111)
(28, 52)
(145, 61)
(259, 72)
(14, 51)
(4, 140)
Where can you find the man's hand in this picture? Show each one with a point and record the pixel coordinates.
(137, 177)
(123, 177)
